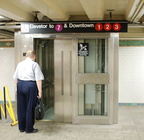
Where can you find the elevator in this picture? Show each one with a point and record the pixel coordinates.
(44, 49)
(76, 89)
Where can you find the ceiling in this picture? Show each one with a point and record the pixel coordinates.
(15, 11)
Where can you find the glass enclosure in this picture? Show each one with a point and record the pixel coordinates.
(93, 98)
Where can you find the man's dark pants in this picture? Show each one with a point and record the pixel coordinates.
(26, 101)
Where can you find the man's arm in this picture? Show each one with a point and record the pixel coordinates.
(39, 86)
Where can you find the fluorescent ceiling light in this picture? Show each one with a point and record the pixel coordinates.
(1, 17)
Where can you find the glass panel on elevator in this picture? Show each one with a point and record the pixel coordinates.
(97, 61)
(93, 98)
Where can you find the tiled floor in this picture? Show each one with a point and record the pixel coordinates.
(130, 127)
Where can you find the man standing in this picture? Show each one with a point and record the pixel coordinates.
(29, 78)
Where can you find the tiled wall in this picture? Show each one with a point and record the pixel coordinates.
(7, 66)
(9, 58)
(131, 75)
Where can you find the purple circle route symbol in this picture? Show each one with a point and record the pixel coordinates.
(58, 27)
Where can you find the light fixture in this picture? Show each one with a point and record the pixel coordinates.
(1, 16)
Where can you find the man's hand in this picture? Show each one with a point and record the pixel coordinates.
(39, 95)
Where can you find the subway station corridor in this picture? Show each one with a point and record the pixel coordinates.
(91, 54)
(130, 127)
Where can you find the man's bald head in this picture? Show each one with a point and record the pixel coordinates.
(31, 54)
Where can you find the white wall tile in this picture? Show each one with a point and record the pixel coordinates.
(131, 74)
(7, 60)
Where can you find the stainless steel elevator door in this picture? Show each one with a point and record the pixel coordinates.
(63, 63)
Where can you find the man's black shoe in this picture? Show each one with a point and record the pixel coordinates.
(34, 131)
(21, 130)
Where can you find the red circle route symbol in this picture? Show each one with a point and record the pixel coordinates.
(107, 26)
(98, 27)
(116, 26)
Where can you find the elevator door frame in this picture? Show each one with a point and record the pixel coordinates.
(27, 40)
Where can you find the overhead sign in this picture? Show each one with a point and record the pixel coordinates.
(74, 27)
(83, 49)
